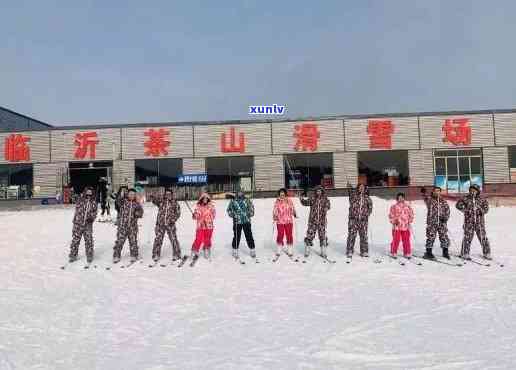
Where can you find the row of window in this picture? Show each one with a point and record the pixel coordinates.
(454, 170)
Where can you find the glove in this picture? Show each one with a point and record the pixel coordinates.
(442, 220)
(90, 220)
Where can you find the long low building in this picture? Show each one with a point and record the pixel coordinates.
(451, 149)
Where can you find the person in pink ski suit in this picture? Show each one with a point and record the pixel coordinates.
(283, 215)
(401, 217)
(204, 214)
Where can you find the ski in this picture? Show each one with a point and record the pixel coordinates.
(325, 258)
(292, 257)
(438, 261)
(183, 261)
(479, 262)
(276, 257)
(237, 259)
(496, 262)
(68, 264)
(195, 258)
(128, 265)
(412, 260)
(88, 265)
(153, 264)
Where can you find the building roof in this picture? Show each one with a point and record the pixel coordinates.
(29, 120)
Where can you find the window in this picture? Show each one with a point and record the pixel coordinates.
(16, 181)
(230, 173)
(308, 170)
(157, 172)
(384, 168)
(456, 170)
(512, 162)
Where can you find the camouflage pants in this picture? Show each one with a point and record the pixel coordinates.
(78, 232)
(469, 231)
(357, 226)
(122, 234)
(158, 240)
(431, 233)
(314, 228)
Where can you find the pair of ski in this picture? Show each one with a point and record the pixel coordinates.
(404, 260)
(482, 262)
(242, 262)
(163, 264)
(305, 259)
(86, 266)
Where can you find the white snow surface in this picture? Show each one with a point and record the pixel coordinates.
(222, 315)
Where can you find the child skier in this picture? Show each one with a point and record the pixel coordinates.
(401, 217)
(85, 214)
(241, 210)
(282, 215)
(474, 209)
(129, 213)
(169, 212)
(204, 214)
(319, 205)
(360, 208)
(436, 221)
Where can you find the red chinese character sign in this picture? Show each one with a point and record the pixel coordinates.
(85, 143)
(231, 145)
(307, 137)
(16, 148)
(380, 134)
(457, 131)
(157, 143)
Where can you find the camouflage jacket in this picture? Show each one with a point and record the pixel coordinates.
(360, 205)
(85, 210)
(169, 211)
(438, 210)
(129, 213)
(474, 208)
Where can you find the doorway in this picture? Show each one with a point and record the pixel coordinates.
(84, 174)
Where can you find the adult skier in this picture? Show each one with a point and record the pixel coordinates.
(241, 210)
(360, 208)
(129, 213)
(104, 199)
(204, 213)
(474, 208)
(401, 217)
(169, 212)
(319, 205)
(283, 215)
(438, 213)
(85, 214)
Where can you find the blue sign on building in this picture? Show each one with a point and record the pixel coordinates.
(193, 179)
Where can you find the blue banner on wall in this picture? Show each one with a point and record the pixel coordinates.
(193, 179)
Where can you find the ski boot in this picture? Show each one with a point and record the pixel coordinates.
(364, 254)
(446, 254)
(428, 254)
(207, 253)
(134, 259)
(234, 253)
(290, 251)
(307, 251)
(252, 252)
(155, 258)
(89, 259)
(116, 259)
(465, 256)
(323, 251)
(72, 259)
(488, 257)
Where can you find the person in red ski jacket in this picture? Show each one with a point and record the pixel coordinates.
(401, 217)
(283, 215)
(204, 214)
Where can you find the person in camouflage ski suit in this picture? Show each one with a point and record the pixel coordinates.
(169, 212)
(241, 210)
(360, 208)
(438, 213)
(85, 214)
(474, 208)
(319, 205)
(129, 213)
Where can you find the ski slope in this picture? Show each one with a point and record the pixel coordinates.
(222, 315)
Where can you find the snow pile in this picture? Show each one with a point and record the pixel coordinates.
(222, 315)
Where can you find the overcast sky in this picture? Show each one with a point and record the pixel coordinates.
(70, 62)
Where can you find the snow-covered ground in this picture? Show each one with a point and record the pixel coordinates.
(222, 315)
